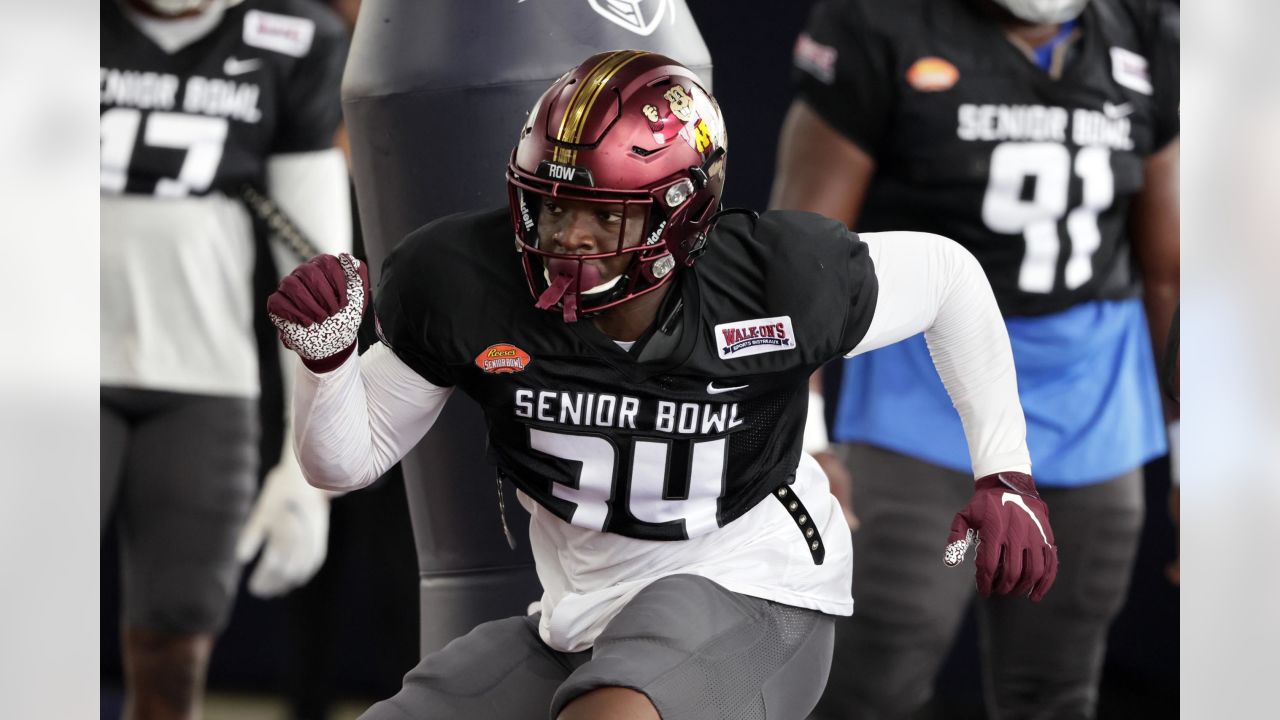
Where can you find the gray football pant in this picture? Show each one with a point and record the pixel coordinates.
(1040, 660)
(698, 651)
(180, 472)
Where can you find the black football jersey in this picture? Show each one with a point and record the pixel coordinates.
(974, 141)
(683, 433)
(204, 118)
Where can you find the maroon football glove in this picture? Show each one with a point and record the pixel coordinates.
(318, 307)
(1009, 523)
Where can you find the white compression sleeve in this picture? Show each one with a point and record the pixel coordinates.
(815, 425)
(930, 284)
(312, 188)
(355, 422)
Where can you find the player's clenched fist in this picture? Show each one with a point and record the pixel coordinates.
(1010, 522)
(318, 308)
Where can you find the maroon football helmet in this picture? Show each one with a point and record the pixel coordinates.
(627, 128)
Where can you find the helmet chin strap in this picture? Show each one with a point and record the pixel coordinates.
(566, 275)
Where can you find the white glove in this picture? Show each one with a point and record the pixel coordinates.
(291, 519)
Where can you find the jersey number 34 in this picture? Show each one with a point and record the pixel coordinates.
(647, 499)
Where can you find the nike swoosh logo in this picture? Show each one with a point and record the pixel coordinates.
(1017, 500)
(1115, 112)
(713, 390)
(234, 66)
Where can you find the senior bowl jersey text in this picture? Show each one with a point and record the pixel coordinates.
(694, 425)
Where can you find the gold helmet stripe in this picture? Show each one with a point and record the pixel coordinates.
(584, 98)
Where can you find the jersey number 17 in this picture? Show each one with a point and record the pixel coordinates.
(201, 137)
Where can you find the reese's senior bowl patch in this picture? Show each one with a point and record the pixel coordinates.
(752, 337)
(932, 74)
(502, 358)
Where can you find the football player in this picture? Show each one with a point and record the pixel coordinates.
(199, 100)
(1043, 136)
(642, 361)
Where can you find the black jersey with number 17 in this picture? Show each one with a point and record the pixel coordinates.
(1032, 174)
(672, 439)
(206, 116)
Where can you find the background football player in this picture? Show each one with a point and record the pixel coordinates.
(200, 98)
(1043, 136)
(642, 364)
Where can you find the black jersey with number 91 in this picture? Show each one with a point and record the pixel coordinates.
(678, 436)
(972, 140)
(205, 117)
